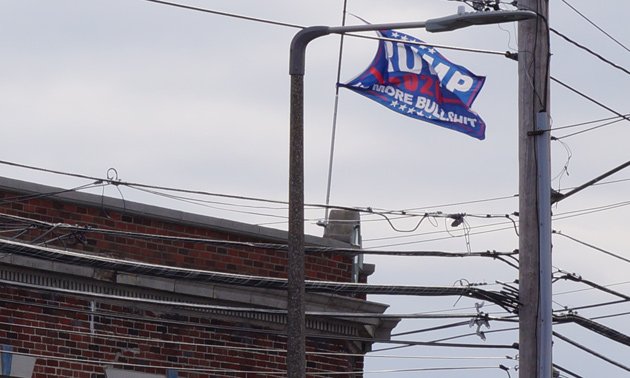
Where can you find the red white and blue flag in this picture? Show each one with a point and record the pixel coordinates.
(417, 81)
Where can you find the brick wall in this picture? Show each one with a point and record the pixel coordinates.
(240, 260)
(60, 326)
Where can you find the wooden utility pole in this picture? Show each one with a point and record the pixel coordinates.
(535, 316)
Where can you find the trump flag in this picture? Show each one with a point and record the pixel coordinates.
(417, 81)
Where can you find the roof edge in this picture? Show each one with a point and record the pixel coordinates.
(116, 204)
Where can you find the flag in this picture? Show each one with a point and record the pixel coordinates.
(417, 81)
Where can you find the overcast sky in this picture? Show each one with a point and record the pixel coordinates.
(179, 98)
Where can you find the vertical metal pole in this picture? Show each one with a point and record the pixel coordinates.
(534, 196)
(295, 308)
(296, 339)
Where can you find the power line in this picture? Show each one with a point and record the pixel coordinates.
(588, 122)
(562, 319)
(596, 26)
(430, 329)
(592, 210)
(456, 324)
(407, 370)
(446, 47)
(564, 370)
(250, 310)
(475, 334)
(113, 182)
(625, 117)
(591, 325)
(428, 233)
(575, 308)
(276, 247)
(559, 197)
(463, 203)
(295, 26)
(556, 217)
(443, 238)
(610, 316)
(587, 130)
(232, 15)
(576, 278)
(367, 210)
(590, 51)
(592, 246)
(140, 185)
(137, 186)
(591, 288)
(596, 354)
(205, 204)
(508, 302)
(28, 197)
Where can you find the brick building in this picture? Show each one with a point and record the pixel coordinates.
(97, 287)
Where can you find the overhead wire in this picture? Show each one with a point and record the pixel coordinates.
(475, 334)
(596, 102)
(591, 288)
(586, 130)
(610, 315)
(557, 197)
(617, 118)
(600, 57)
(591, 246)
(590, 351)
(350, 251)
(564, 370)
(270, 246)
(595, 25)
(368, 210)
(575, 278)
(593, 326)
(247, 310)
(591, 210)
(503, 299)
(134, 185)
(295, 26)
(556, 217)
(405, 370)
(225, 14)
(561, 319)
(28, 197)
(594, 305)
(205, 204)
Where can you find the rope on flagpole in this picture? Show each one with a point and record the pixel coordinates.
(334, 122)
